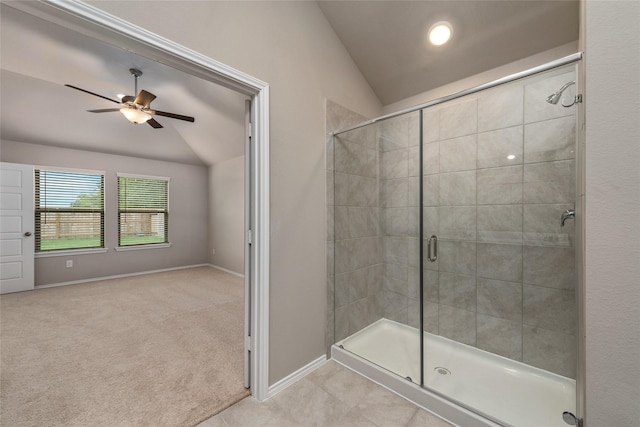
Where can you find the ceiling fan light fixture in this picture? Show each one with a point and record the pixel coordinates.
(135, 116)
(440, 33)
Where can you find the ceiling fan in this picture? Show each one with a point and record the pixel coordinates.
(136, 109)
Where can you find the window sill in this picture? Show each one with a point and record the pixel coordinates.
(68, 252)
(139, 247)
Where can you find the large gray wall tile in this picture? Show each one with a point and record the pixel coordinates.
(394, 192)
(414, 161)
(358, 315)
(457, 257)
(394, 304)
(414, 128)
(431, 190)
(362, 191)
(553, 351)
(500, 223)
(457, 222)
(549, 266)
(500, 261)
(430, 125)
(431, 317)
(456, 324)
(395, 221)
(551, 309)
(500, 185)
(501, 107)
(552, 182)
(499, 336)
(458, 291)
(349, 157)
(340, 188)
(550, 140)
(458, 154)
(394, 133)
(431, 158)
(431, 221)
(395, 164)
(361, 281)
(458, 188)
(500, 299)
(395, 249)
(459, 119)
(495, 148)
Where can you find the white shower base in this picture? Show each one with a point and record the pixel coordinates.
(501, 389)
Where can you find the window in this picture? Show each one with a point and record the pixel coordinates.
(69, 209)
(143, 210)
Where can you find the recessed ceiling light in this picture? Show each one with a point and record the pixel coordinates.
(440, 33)
(511, 156)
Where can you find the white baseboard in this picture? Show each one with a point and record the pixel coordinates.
(295, 376)
(118, 276)
(226, 271)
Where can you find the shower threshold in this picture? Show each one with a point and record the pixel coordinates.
(501, 390)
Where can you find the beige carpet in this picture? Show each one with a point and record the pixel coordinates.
(162, 349)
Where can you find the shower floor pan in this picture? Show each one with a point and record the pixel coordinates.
(501, 389)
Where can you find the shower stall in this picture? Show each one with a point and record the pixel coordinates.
(454, 247)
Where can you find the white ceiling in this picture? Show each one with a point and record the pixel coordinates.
(386, 39)
(38, 58)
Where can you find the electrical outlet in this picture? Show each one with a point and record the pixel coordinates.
(69, 263)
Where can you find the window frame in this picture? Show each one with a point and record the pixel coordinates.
(39, 252)
(135, 246)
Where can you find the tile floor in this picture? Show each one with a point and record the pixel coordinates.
(331, 396)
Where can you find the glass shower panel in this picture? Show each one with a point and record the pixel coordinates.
(499, 312)
(376, 238)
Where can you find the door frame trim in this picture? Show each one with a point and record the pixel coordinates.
(93, 22)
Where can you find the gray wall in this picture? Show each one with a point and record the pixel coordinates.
(291, 46)
(188, 212)
(612, 200)
(226, 219)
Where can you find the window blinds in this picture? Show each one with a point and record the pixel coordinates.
(143, 210)
(69, 210)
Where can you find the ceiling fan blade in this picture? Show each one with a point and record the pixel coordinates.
(144, 98)
(94, 94)
(174, 116)
(104, 110)
(154, 124)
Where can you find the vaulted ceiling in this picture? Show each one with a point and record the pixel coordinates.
(39, 58)
(386, 39)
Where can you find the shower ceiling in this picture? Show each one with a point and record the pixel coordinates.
(387, 39)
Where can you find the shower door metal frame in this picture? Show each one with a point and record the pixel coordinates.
(569, 59)
(579, 223)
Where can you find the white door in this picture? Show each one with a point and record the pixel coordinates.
(16, 228)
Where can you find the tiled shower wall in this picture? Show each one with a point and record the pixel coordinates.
(354, 202)
(498, 171)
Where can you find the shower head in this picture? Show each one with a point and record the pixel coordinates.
(555, 97)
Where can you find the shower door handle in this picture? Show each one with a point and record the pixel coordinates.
(432, 248)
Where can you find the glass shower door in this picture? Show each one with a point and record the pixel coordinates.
(499, 308)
